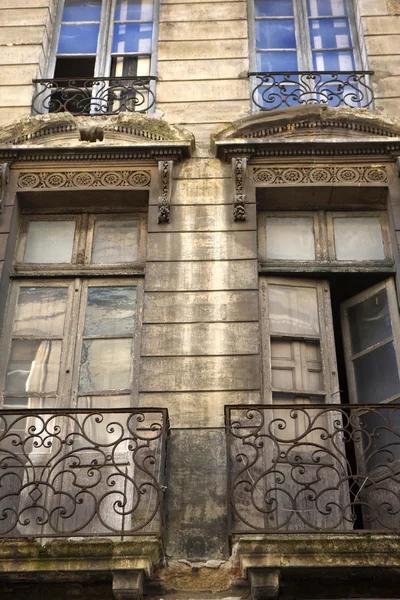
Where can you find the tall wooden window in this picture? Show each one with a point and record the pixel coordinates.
(71, 338)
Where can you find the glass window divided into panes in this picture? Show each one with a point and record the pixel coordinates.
(358, 238)
(94, 240)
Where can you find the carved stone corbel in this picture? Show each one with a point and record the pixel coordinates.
(128, 585)
(239, 168)
(164, 202)
(264, 583)
(4, 178)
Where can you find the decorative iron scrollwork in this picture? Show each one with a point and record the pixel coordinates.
(164, 202)
(96, 96)
(314, 467)
(344, 88)
(82, 472)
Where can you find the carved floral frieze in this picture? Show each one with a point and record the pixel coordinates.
(85, 179)
(321, 175)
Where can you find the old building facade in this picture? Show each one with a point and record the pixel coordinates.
(199, 228)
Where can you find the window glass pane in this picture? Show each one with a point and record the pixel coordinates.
(327, 8)
(134, 37)
(78, 39)
(290, 238)
(369, 322)
(333, 61)
(293, 310)
(277, 61)
(40, 311)
(273, 8)
(110, 310)
(50, 242)
(105, 365)
(134, 10)
(34, 366)
(330, 33)
(34, 403)
(275, 33)
(115, 242)
(81, 10)
(377, 376)
(358, 238)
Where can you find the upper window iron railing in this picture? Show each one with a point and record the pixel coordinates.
(82, 472)
(351, 89)
(94, 96)
(313, 468)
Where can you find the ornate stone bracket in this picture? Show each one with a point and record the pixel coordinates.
(264, 583)
(128, 585)
(164, 202)
(4, 178)
(239, 167)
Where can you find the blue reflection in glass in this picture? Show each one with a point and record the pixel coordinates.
(273, 8)
(133, 37)
(275, 34)
(330, 33)
(81, 10)
(134, 10)
(277, 61)
(333, 61)
(327, 8)
(78, 39)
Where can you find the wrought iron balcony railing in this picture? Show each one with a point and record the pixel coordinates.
(281, 90)
(95, 96)
(313, 468)
(66, 473)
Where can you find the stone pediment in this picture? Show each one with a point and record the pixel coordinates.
(65, 132)
(302, 128)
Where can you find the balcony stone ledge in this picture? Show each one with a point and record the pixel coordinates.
(23, 559)
(279, 551)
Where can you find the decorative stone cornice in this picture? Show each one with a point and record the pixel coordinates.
(239, 170)
(321, 175)
(308, 131)
(4, 177)
(109, 179)
(164, 203)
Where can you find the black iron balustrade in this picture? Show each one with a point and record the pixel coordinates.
(281, 90)
(82, 472)
(95, 96)
(314, 468)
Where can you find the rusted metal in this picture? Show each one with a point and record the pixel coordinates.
(310, 467)
(66, 473)
(284, 89)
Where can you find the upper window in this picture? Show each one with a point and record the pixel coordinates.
(305, 35)
(96, 38)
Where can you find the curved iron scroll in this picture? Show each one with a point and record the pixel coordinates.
(82, 472)
(281, 90)
(313, 468)
(96, 96)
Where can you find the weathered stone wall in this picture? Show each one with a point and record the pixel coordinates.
(25, 34)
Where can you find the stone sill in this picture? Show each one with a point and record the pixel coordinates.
(317, 550)
(27, 556)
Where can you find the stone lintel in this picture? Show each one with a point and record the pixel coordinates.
(128, 585)
(25, 557)
(264, 583)
(317, 550)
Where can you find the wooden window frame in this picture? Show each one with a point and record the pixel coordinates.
(325, 338)
(325, 257)
(302, 34)
(83, 243)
